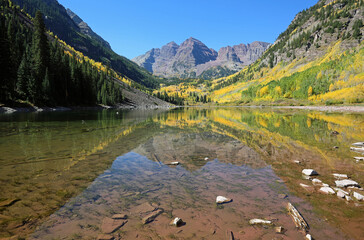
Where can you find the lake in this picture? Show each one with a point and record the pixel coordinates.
(64, 175)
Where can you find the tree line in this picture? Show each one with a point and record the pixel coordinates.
(36, 69)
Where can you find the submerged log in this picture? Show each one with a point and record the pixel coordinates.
(229, 235)
(299, 221)
(156, 159)
(259, 221)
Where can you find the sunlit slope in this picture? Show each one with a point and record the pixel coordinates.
(337, 75)
(319, 58)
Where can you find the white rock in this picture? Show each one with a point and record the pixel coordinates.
(309, 237)
(206, 158)
(177, 222)
(174, 163)
(340, 190)
(307, 177)
(358, 196)
(307, 187)
(340, 194)
(325, 184)
(357, 149)
(327, 190)
(348, 198)
(359, 158)
(296, 161)
(221, 199)
(316, 181)
(346, 183)
(309, 172)
(259, 221)
(340, 176)
(358, 144)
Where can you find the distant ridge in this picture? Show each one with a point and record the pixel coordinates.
(194, 59)
(85, 29)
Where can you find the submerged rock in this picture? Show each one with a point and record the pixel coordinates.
(346, 183)
(282, 196)
(327, 190)
(105, 237)
(309, 172)
(119, 216)
(152, 216)
(279, 229)
(110, 225)
(259, 221)
(221, 199)
(8, 202)
(176, 222)
(144, 208)
(358, 196)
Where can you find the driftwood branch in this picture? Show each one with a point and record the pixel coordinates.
(299, 221)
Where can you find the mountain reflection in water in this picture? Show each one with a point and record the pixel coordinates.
(244, 154)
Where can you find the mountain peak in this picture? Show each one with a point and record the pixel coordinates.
(173, 43)
(192, 58)
(85, 28)
(191, 41)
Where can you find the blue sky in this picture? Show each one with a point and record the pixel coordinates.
(133, 27)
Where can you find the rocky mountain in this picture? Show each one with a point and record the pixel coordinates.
(194, 59)
(85, 28)
(318, 58)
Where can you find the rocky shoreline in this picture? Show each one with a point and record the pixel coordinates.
(9, 110)
(356, 109)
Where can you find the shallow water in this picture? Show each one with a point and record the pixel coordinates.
(69, 171)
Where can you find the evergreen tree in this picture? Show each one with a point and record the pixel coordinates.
(46, 87)
(40, 51)
(5, 76)
(356, 27)
(23, 78)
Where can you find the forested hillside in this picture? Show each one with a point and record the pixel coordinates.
(59, 22)
(37, 68)
(319, 58)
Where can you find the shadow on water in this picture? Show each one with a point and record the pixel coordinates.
(63, 165)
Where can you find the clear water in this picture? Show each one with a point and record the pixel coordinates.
(68, 171)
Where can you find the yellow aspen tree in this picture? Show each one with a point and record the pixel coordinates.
(332, 87)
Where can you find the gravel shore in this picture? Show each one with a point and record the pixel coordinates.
(356, 109)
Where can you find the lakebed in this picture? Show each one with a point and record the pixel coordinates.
(64, 173)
